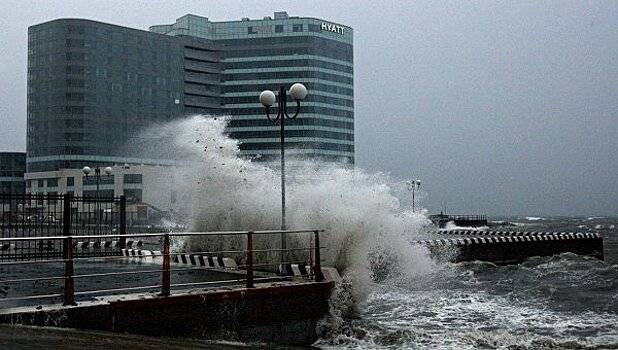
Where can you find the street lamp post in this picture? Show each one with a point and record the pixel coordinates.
(97, 174)
(412, 186)
(298, 92)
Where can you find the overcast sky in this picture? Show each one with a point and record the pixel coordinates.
(500, 107)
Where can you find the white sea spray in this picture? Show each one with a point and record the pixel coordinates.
(364, 222)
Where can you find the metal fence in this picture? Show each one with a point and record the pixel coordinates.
(468, 217)
(49, 215)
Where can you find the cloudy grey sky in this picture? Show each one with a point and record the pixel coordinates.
(500, 107)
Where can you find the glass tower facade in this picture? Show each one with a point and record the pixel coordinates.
(94, 87)
(12, 169)
(266, 53)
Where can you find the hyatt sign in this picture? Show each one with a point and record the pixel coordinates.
(329, 27)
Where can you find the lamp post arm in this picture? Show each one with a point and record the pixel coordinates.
(98, 178)
(272, 119)
(297, 110)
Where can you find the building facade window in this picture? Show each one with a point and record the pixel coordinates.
(103, 180)
(133, 178)
(52, 182)
(314, 28)
(102, 194)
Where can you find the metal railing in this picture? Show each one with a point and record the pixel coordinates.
(468, 217)
(458, 217)
(246, 255)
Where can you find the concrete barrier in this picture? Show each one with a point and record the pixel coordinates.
(229, 263)
(300, 270)
(110, 244)
(283, 313)
(131, 244)
(329, 273)
(207, 261)
(85, 245)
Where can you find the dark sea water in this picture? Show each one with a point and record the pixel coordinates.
(559, 302)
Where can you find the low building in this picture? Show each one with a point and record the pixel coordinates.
(148, 188)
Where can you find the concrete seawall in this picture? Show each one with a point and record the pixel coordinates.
(282, 313)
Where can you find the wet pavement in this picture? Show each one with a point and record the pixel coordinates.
(140, 274)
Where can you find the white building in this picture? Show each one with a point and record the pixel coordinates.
(146, 187)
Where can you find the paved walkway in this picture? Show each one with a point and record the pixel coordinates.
(145, 274)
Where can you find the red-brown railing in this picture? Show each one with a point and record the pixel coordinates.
(165, 287)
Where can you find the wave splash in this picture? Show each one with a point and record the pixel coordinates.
(362, 217)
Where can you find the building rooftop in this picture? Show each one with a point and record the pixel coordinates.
(200, 26)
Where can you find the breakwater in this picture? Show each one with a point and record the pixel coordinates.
(510, 246)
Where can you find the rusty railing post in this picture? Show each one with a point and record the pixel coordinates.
(69, 283)
(250, 259)
(318, 275)
(66, 214)
(123, 222)
(311, 257)
(165, 277)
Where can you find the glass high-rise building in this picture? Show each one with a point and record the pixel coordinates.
(94, 87)
(281, 50)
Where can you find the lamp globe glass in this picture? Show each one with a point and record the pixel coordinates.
(298, 91)
(267, 98)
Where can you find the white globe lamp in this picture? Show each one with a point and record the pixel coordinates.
(267, 98)
(298, 91)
